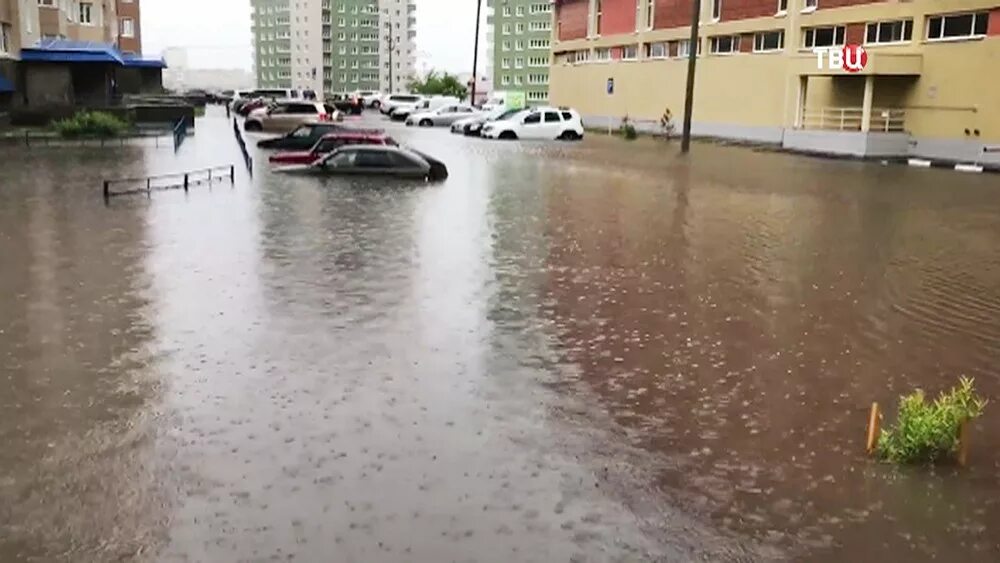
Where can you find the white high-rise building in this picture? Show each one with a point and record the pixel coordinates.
(331, 46)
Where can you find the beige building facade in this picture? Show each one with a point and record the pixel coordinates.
(930, 86)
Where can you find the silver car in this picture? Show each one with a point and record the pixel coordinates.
(444, 115)
(373, 160)
(473, 125)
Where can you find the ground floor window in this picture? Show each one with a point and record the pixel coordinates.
(538, 95)
(823, 36)
(957, 25)
(630, 52)
(724, 44)
(769, 41)
(889, 31)
(656, 50)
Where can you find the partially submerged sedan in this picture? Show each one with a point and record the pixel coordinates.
(330, 143)
(373, 160)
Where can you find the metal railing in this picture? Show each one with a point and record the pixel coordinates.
(886, 120)
(243, 146)
(53, 139)
(180, 180)
(180, 133)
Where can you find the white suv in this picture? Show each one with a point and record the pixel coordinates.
(537, 123)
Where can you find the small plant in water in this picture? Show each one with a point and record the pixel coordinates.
(628, 130)
(929, 431)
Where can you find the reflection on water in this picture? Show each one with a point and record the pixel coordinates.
(571, 352)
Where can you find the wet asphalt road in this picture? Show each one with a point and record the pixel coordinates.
(565, 352)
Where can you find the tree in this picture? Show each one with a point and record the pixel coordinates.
(439, 84)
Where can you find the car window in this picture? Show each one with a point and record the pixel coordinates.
(465, 110)
(567, 116)
(552, 117)
(401, 160)
(302, 108)
(328, 145)
(533, 118)
(278, 109)
(372, 159)
(302, 132)
(341, 159)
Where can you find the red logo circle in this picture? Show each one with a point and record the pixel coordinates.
(855, 58)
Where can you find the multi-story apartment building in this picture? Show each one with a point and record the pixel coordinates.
(129, 26)
(113, 22)
(519, 40)
(929, 87)
(334, 45)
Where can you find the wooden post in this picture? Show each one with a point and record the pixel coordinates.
(232, 173)
(873, 429)
(107, 190)
(963, 443)
(185, 182)
(148, 180)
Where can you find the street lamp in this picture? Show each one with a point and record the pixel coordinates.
(689, 93)
(475, 54)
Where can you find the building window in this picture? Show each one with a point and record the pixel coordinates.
(539, 26)
(538, 96)
(86, 13)
(630, 53)
(716, 10)
(823, 37)
(6, 33)
(128, 27)
(505, 63)
(505, 80)
(810, 5)
(50, 3)
(519, 27)
(580, 56)
(955, 26)
(597, 21)
(684, 48)
(519, 11)
(518, 80)
(538, 61)
(505, 46)
(505, 29)
(656, 50)
(602, 54)
(519, 62)
(782, 7)
(539, 43)
(724, 44)
(519, 45)
(768, 41)
(896, 31)
(650, 12)
(506, 11)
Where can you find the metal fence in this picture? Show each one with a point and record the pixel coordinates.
(884, 120)
(243, 146)
(180, 180)
(40, 139)
(180, 133)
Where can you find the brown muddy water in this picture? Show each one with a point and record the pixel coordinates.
(565, 352)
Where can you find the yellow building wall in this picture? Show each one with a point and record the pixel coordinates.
(957, 89)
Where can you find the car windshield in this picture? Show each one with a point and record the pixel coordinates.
(507, 114)
(303, 131)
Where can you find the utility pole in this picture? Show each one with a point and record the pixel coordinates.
(475, 54)
(692, 61)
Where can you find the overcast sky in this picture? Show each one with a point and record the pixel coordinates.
(217, 32)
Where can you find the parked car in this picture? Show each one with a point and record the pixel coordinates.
(348, 104)
(537, 123)
(373, 160)
(388, 103)
(302, 137)
(403, 111)
(369, 98)
(330, 143)
(285, 116)
(444, 115)
(473, 125)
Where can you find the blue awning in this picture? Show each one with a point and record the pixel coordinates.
(138, 61)
(5, 84)
(68, 51)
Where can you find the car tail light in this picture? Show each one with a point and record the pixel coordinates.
(324, 117)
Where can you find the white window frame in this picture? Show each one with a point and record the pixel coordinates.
(649, 50)
(519, 62)
(89, 11)
(505, 80)
(805, 36)
(650, 13)
(6, 30)
(758, 43)
(128, 27)
(602, 54)
(686, 51)
(716, 10)
(973, 35)
(809, 6)
(878, 32)
(635, 52)
(782, 8)
(713, 42)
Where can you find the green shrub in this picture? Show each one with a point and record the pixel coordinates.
(91, 124)
(927, 432)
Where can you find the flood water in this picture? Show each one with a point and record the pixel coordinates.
(591, 351)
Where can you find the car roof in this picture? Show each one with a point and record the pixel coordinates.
(348, 134)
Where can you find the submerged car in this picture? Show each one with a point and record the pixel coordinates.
(473, 125)
(330, 143)
(304, 136)
(444, 115)
(372, 160)
(285, 116)
(537, 123)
